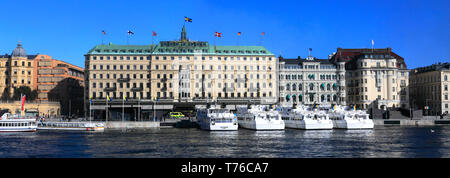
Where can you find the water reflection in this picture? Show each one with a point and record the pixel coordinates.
(195, 143)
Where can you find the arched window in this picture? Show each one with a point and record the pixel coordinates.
(445, 77)
(334, 98)
(288, 87)
(300, 98)
(294, 87)
(322, 98)
(311, 86)
(300, 87)
(322, 86)
(328, 87)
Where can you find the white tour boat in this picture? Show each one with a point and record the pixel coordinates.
(350, 118)
(216, 119)
(259, 117)
(15, 123)
(75, 126)
(303, 117)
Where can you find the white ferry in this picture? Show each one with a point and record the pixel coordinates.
(259, 117)
(75, 126)
(216, 119)
(350, 118)
(15, 123)
(303, 117)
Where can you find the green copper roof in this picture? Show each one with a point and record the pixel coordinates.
(179, 48)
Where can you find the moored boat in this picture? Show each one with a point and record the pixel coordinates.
(259, 117)
(350, 118)
(15, 123)
(216, 119)
(75, 126)
(303, 117)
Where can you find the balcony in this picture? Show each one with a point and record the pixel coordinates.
(136, 89)
(120, 80)
(109, 89)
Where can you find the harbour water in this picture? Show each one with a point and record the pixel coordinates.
(383, 141)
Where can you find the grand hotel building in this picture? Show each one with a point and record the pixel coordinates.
(177, 74)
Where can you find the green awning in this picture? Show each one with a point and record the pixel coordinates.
(288, 96)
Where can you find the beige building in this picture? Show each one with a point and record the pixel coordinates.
(53, 80)
(180, 74)
(374, 77)
(43, 108)
(311, 81)
(16, 70)
(429, 88)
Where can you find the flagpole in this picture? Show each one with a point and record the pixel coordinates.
(154, 109)
(123, 107)
(139, 108)
(107, 98)
(90, 110)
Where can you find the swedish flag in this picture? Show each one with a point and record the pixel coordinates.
(187, 19)
(90, 99)
(124, 98)
(108, 98)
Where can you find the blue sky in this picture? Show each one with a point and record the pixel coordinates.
(419, 31)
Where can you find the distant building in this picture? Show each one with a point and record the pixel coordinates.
(53, 80)
(429, 88)
(180, 74)
(60, 81)
(311, 81)
(374, 77)
(16, 70)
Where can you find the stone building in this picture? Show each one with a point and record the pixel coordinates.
(429, 88)
(375, 78)
(310, 81)
(180, 74)
(54, 80)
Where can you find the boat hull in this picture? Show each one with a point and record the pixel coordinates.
(73, 128)
(262, 125)
(353, 124)
(218, 126)
(309, 124)
(18, 129)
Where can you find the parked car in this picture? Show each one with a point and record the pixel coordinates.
(176, 115)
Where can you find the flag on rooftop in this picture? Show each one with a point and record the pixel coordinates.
(103, 32)
(130, 32)
(239, 33)
(262, 33)
(154, 33)
(187, 19)
(217, 34)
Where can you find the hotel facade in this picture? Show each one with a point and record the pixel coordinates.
(141, 79)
